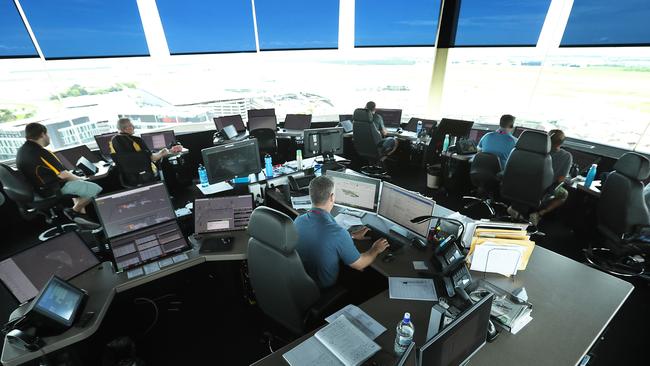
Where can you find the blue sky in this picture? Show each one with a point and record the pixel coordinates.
(14, 39)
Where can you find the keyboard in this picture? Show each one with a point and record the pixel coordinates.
(216, 244)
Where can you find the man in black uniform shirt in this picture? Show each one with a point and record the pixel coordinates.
(125, 141)
(47, 175)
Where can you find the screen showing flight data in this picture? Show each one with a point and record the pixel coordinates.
(222, 213)
(355, 191)
(400, 206)
(134, 209)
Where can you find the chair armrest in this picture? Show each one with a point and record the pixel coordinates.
(330, 301)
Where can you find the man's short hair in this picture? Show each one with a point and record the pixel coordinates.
(557, 137)
(121, 123)
(34, 130)
(320, 190)
(371, 106)
(507, 121)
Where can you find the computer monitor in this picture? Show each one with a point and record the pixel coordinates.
(355, 191)
(345, 117)
(408, 357)
(400, 206)
(134, 209)
(159, 140)
(254, 113)
(519, 130)
(476, 135)
(427, 124)
(392, 117)
(56, 307)
(69, 157)
(454, 127)
(323, 141)
(256, 123)
(227, 161)
(234, 120)
(147, 245)
(26, 272)
(461, 339)
(297, 121)
(213, 215)
(103, 143)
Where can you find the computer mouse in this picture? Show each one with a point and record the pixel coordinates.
(388, 257)
(418, 243)
(399, 130)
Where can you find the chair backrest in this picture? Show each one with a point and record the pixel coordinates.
(621, 206)
(16, 186)
(483, 171)
(283, 289)
(266, 140)
(134, 168)
(365, 134)
(529, 171)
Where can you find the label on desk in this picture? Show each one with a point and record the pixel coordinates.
(151, 268)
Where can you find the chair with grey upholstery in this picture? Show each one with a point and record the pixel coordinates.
(485, 174)
(283, 289)
(367, 143)
(622, 218)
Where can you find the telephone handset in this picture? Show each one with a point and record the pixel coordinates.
(449, 261)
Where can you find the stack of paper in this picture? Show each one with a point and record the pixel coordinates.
(508, 310)
(500, 250)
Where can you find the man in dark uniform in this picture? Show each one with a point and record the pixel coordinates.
(47, 175)
(126, 141)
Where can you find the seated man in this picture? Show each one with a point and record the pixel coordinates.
(388, 144)
(125, 141)
(562, 161)
(46, 173)
(322, 242)
(500, 142)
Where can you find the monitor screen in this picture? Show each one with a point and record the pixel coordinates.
(268, 112)
(69, 157)
(477, 135)
(59, 301)
(456, 343)
(392, 117)
(159, 140)
(427, 124)
(134, 209)
(355, 191)
(345, 117)
(25, 273)
(320, 141)
(519, 130)
(234, 120)
(297, 121)
(222, 213)
(256, 123)
(454, 127)
(400, 206)
(103, 143)
(227, 161)
(147, 245)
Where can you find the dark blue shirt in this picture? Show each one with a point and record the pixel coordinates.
(499, 143)
(321, 244)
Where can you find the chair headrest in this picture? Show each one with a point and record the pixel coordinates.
(533, 141)
(633, 165)
(362, 115)
(273, 228)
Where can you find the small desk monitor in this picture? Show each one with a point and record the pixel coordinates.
(345, 117)
(519, 130)
(297, 121)
(454, 127)
(392, 117)
(103, 143)
(461, 339)
(134, 209)
(70, 156)
(227, 161)
(256, 123)
(234, 120)
(156, 141)
(476, 135)
(26, 272)
(323, 141)
(230, 213)
(355, 191)
(57, 305)
(268, 112)
(400, 206)
(427, 124)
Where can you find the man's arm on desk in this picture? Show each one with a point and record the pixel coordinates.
(369, 256)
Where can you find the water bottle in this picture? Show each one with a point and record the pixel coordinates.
(404, 337)
(203, 176)
(445, 143)
(419, 128)
(268, 166)
(299, 158)
(591, 174)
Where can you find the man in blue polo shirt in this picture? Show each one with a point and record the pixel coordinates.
(500, 142)
(322, 243)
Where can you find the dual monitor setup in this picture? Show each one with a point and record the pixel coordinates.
(262, 119)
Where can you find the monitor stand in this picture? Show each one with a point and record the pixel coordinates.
(329, 163)
(215, 188)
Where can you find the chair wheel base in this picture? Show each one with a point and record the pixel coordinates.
(56, 231)
(606, 260)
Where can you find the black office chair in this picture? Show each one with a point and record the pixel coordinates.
(284, 291)
(484, 172)
(528, 174)
(31, 204)
(623, 219)
(266, 142)
(367, 142)
(135, 169)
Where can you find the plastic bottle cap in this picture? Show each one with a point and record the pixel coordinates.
(407, 317)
